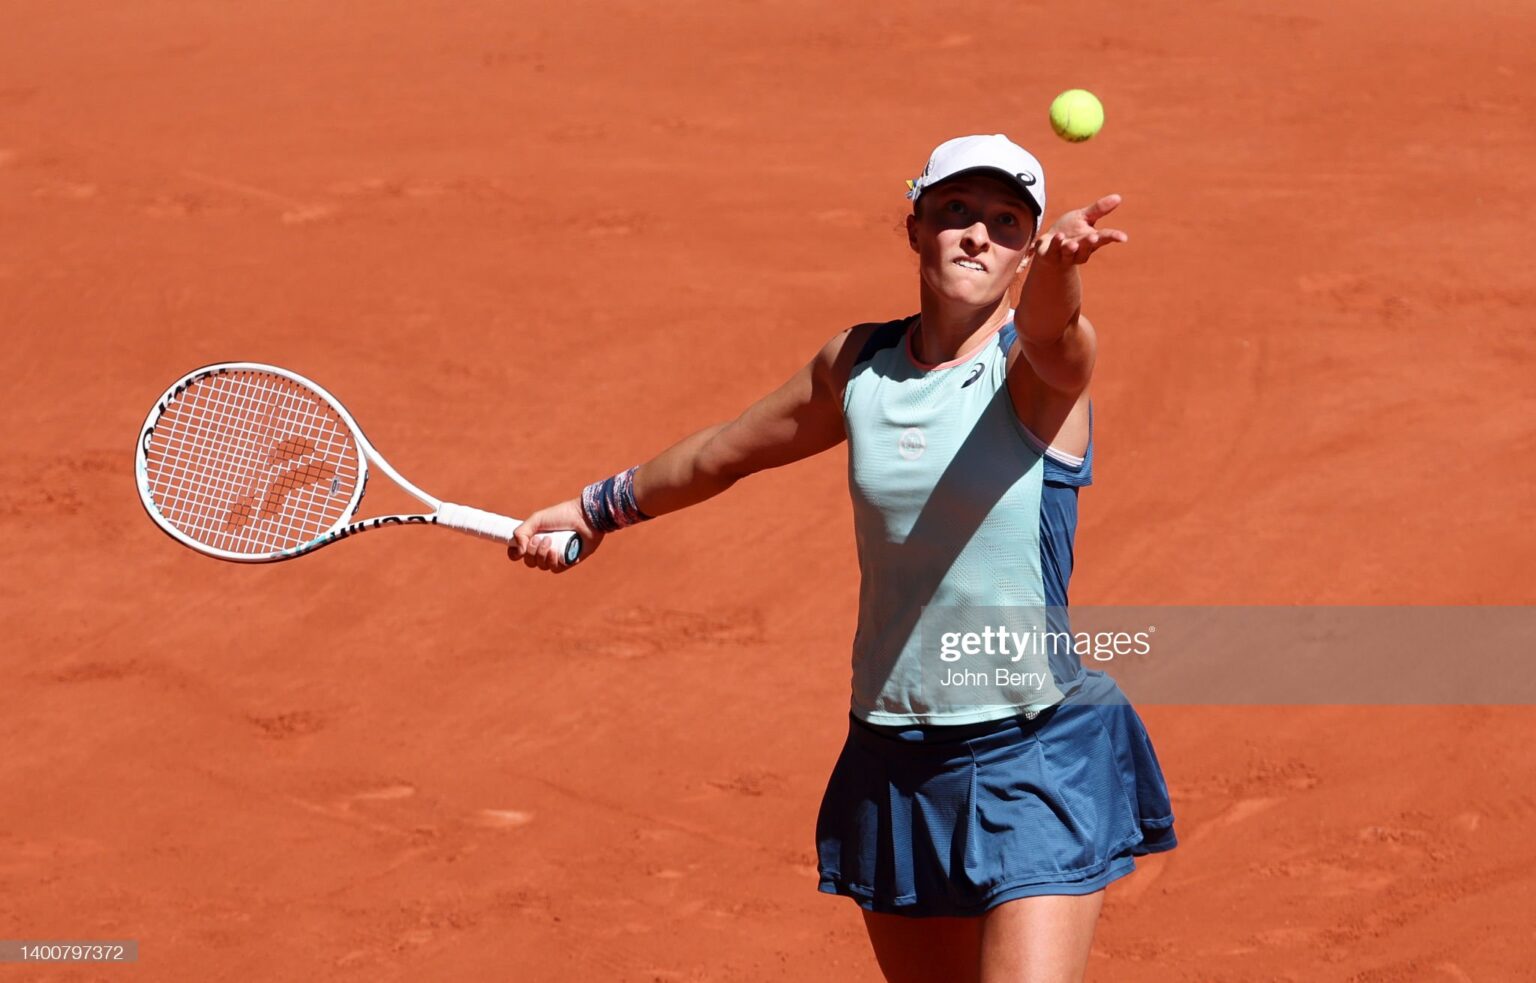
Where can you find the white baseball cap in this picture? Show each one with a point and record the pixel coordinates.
(992, 152)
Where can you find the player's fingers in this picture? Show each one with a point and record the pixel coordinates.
(521, 536)
(1101, 208)
(538, 551)
(552, 557)
(1103, 240)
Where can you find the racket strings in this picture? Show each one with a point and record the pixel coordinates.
(251, 462)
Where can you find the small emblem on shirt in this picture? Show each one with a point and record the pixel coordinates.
(912, 444)
(975, 374)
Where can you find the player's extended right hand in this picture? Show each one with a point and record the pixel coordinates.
(538, 553)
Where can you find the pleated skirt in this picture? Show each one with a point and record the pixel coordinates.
(953, 821)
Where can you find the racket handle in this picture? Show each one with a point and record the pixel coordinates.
(489, 525)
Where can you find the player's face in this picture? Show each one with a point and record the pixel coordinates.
(972, 239)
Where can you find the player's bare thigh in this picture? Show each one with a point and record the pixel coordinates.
(1041, 940)
(922, 950)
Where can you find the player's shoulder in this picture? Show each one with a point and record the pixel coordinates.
(856, 344)
(851, 346)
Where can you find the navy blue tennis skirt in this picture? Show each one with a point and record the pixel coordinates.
(941, 820)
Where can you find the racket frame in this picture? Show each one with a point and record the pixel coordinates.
(345, 526)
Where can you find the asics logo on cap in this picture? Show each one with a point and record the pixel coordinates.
(1026, 178)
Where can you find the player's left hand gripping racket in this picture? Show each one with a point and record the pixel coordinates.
(254, 463)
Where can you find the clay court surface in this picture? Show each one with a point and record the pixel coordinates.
(529, 247)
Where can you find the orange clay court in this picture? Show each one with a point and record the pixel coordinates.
(527, 247)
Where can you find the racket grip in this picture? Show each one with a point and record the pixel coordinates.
(489, 525)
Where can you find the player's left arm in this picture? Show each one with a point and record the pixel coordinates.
(1054, 336)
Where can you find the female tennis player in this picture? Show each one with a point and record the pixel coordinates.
(982, 801)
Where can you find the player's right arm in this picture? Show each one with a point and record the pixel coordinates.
(801, 418)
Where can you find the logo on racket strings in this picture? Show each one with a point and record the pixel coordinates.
(298, 472)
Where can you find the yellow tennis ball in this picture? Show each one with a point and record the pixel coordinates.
(1076, 115)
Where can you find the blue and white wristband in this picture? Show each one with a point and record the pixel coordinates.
(609, 505)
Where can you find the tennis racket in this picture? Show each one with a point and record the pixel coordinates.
(254, 463)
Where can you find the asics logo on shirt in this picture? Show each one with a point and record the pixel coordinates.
(975, 374)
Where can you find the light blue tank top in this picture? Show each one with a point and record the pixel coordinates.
(962, 518)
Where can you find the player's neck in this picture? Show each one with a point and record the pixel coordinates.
(945, 332)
